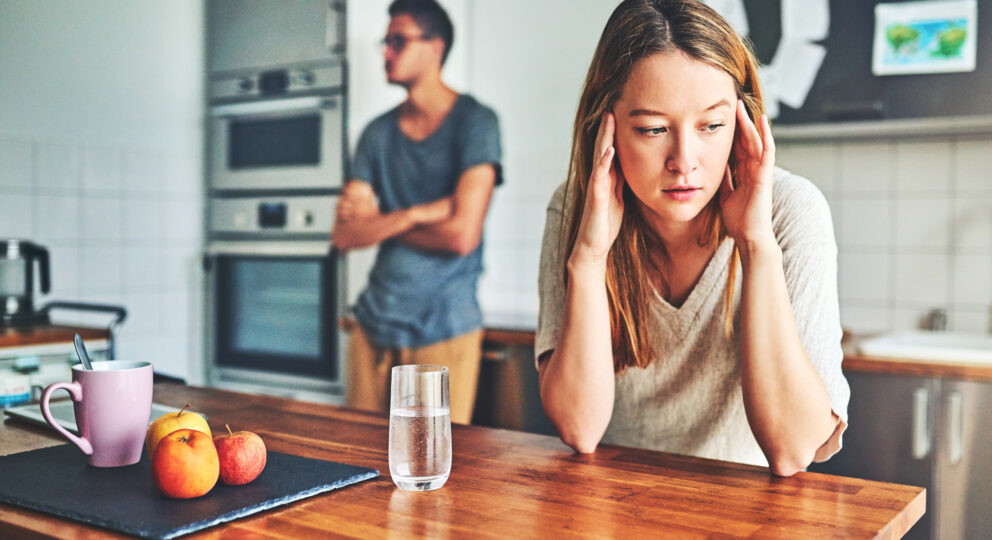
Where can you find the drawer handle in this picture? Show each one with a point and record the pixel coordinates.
(954, 427)
(921, 425)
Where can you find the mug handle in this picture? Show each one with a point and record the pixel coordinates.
(76, 393)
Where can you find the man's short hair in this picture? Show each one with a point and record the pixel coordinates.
(430, 17)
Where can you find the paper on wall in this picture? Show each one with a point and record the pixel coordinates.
(805, 19)
(797, 62)
(769, 90)
(733, 11)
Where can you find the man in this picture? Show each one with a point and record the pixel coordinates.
(421, 182)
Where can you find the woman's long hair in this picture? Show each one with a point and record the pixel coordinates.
(638, 29)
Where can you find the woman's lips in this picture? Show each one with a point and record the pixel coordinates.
(682, 194)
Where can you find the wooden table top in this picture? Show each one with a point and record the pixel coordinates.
(511, 484)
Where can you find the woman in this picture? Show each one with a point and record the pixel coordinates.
(688, 287)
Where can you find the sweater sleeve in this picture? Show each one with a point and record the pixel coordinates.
(803, 226)
(551, 278)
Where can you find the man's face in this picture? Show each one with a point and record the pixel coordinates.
(408, 52)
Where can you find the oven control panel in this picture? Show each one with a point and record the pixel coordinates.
(276, 215)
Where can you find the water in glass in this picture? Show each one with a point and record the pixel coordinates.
(419, 427)
(419, 447)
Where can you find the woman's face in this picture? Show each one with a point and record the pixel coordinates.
(675, 129)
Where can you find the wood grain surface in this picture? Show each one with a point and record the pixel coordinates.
(919, 368)
(13, 336)
(853, 361)
(507, 484)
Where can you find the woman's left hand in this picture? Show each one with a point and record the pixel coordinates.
(746, 199)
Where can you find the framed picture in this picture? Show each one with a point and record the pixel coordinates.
(925, 37)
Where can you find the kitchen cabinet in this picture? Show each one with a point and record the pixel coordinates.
(251, 34)
(925, 431)
(509, 396)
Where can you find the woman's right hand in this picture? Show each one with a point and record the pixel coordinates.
(603, 209)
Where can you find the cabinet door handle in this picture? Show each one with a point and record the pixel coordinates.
(954, 427)
(921, 424)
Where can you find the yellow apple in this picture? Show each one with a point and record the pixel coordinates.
(169, 422)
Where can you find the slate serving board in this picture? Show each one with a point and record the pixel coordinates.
(57, 480)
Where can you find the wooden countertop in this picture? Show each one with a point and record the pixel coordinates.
(853, 360)
(44, 335)
(515, 484)
(921, 368)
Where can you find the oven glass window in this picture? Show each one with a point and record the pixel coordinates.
(277, 314)
(276, 307)
(275, 142)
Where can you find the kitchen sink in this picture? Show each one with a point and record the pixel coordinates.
(933, 346)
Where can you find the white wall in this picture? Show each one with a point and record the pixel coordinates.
(101, 110)
(369, 94)
(913, 220)
(529, 61)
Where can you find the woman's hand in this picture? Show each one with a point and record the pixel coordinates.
(747, 206)
(603, 209)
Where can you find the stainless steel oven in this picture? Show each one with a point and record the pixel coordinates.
(274, 302)
(278, 130)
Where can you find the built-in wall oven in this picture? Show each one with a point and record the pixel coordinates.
(274, 282)
(276, 158)
(278, 130)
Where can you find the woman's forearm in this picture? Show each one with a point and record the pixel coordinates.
(577, 382)
(786, 402)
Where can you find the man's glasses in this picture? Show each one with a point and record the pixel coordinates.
(398, 42)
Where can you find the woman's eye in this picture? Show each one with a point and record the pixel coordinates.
(652, 131)
(710, 128)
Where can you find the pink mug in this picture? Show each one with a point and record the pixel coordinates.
(113, 403)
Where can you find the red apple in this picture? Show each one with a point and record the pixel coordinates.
(242, 456)
(185, 464)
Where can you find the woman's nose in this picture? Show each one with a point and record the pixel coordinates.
(683, 159)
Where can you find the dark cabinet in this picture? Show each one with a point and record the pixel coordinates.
(928, 432)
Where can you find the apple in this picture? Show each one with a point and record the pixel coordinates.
(185, 464)
(169, 422)
(242, 456)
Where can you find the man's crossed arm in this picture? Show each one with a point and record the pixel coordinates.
(452, 224)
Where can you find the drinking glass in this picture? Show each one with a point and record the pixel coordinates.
(419, 427)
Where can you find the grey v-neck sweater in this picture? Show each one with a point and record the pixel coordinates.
(689, 399)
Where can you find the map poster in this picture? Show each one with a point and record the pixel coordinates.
(925, 37)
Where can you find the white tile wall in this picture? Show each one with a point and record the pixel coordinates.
(100, 169)
(923, 223)
(973, 165)
(914, 224)
(864, 167)
(123, 226)
(973, 223)
(864, 276)
(16, 164)
(864, 223)
(923, 167)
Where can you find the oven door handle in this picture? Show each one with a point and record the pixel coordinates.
(276, 106)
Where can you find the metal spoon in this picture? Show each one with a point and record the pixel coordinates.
(84, 357)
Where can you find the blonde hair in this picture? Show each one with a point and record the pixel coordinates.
(635, 30)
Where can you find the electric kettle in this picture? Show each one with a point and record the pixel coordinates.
(17, 259)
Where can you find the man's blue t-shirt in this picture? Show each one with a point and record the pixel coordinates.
(417, 297)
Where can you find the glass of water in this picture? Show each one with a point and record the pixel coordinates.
(419, 427)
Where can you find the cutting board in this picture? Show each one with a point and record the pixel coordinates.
(57, 480)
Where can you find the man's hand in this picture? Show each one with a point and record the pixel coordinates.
(357, 201)
(359, 223)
